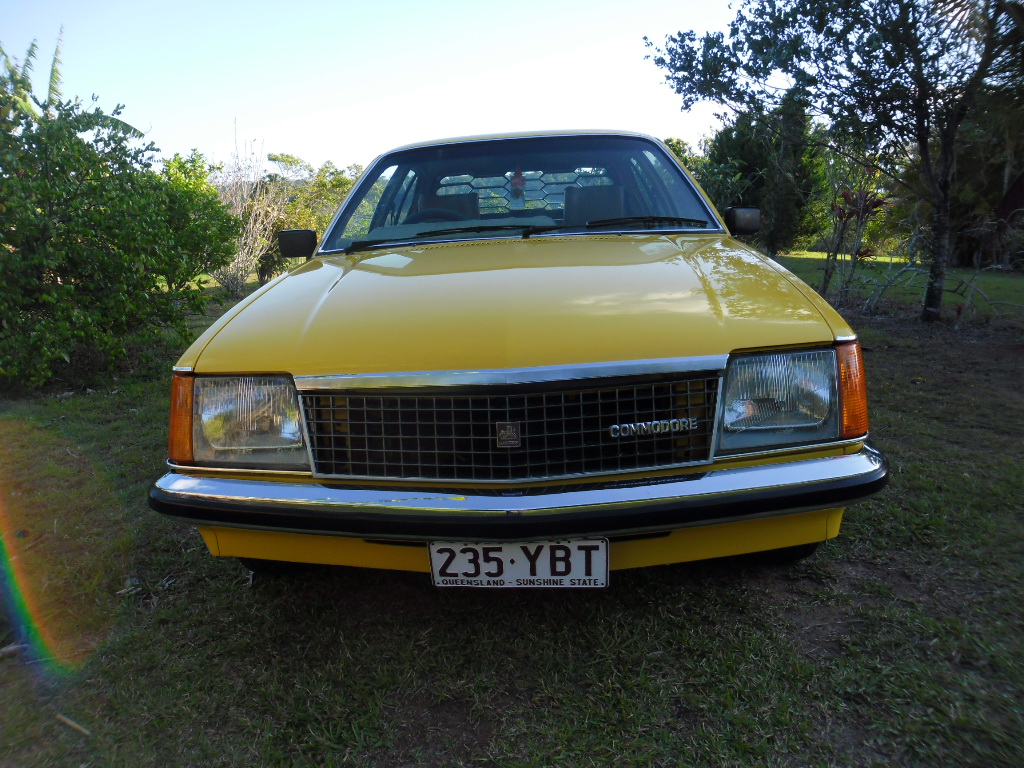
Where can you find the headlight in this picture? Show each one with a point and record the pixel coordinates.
(780, 399)
(247, 421)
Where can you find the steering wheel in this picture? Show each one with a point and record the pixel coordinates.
(434, 214)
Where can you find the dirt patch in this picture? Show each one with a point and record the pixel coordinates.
(428, 732)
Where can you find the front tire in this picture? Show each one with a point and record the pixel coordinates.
(790, 555)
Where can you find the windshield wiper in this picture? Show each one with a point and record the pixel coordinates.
(648, 222)
(525, 229)
(358, 245)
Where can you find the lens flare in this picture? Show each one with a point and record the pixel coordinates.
(61, 553)
(19, 582)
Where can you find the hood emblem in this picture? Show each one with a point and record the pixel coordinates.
(509, 435)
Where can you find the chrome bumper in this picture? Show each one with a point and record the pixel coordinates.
(701, 499)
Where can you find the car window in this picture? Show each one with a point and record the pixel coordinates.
(519, 189)
(360, 219)
(489, 188)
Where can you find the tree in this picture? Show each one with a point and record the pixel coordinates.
(203, 230)
(295, 196)
(901, 74)
(85, 238)
(18, 85)
(312, 198)
(772, 150)
(258, 202)
(987, 214)
(761, 160)
(855, 206)
(316, 195)
(723, 180)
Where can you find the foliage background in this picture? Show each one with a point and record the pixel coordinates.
(902, 88)
(98, 253)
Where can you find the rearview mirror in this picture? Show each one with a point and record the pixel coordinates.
(743, 221)
(297, 243)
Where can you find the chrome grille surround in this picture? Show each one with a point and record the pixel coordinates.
(450, 433)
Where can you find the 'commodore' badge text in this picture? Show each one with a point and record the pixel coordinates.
(643, 428)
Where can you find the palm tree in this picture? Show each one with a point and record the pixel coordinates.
(16, 83)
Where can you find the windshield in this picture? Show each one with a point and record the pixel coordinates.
(519, 187)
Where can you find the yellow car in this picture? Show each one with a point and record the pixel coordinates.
(522, 361)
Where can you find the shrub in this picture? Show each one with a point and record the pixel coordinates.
(93, 244)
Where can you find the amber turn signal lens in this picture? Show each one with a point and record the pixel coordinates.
(854, 391)
(179, 444)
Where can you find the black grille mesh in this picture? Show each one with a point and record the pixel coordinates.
(448, 434)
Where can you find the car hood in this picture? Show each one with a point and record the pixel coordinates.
(485, 305)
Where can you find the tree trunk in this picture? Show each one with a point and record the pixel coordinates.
(943, 179)
(832, 258)
(932, 310)
(942, 190)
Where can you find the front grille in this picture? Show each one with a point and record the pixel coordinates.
(564, 429)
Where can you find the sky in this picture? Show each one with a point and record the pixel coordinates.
(345, 81)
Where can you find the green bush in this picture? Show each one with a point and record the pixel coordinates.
(203, 233)
(97, 251)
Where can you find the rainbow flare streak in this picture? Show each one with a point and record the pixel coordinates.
(20, 594)
(63, 548)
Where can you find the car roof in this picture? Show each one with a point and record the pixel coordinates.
(521, 135)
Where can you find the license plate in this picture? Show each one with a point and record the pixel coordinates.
(571, 563)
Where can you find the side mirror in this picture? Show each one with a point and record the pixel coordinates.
(743, 221)
(297, 243)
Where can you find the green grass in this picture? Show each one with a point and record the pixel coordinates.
(974, 295)
(899, 643)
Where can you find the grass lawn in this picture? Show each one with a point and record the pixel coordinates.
(899, 643)
(971, 295)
